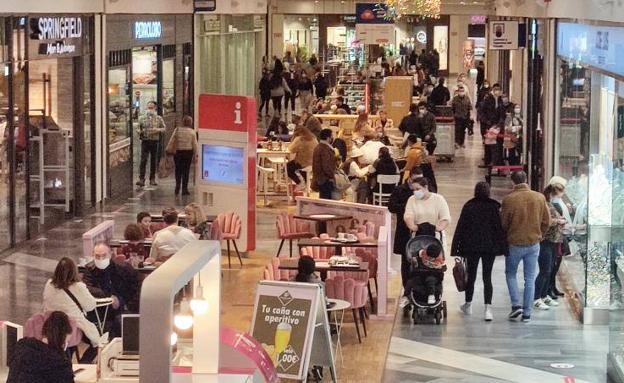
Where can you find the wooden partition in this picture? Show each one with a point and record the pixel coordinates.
(382, 219)
(398, 97)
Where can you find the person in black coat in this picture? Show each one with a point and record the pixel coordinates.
(320, 86)
(44, 361)
(265, 93)
(409, 123)
(402, 234)
(384, 165)
(490, 112)
(440, 95)
(479, 235)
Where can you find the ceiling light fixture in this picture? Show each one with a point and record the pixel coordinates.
(184, 319)
(421, 8)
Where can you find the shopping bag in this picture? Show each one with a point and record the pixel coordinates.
(172, 145)
(460, 274)
(165, 167)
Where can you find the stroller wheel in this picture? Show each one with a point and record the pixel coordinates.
(407, 311)
(415, 316)
(444, 310)
(438, 317)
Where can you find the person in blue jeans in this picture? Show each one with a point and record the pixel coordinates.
(526, 218)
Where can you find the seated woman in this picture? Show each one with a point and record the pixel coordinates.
(357, 173)
(362, 130)
(67, 293)
(305, 271)
(196, 220)
(382, 125)
(134, 251)
(144, 219)
(425, 283)
(44, 361)
(384, 165)
(301, 150)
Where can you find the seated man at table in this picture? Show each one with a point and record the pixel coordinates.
(170, 239)
(118, 281)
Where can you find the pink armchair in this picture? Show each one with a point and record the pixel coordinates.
(289, 228)
(34, 327)
(353, 292)
(272, 272)
(227, 227)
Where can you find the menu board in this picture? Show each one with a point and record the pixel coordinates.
(284, 318)
(223, 164)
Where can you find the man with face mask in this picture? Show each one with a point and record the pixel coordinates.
(490, 109)
(151, 126)
(462, 107)
(426, 127)
(118, 281)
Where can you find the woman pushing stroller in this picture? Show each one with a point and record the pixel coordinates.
(425, 283)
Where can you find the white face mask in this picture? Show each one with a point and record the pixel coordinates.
(102, 263)
(419, 194)
(517, 111)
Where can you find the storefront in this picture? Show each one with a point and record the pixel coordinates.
(149, 58)
(589, 153)
(230, 50)
(301, 35)
(46, 121)
(425, 33)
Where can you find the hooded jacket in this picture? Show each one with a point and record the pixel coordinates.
(35, 362)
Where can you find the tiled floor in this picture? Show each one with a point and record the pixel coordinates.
(462, 350)
(467, 349)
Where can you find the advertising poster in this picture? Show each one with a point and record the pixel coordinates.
(284, 323)
(440, 43)
(503, 34)
(224, 164)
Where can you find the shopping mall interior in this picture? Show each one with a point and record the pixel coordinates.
(312, 190)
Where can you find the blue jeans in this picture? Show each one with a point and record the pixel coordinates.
(546, 262)
(528, 256)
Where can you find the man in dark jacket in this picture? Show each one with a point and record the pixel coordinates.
(409, 123)
(402, 234)
(340, 104)
(320, 86)
(440, 95)
(490, 109)
(324, 165)
(426, 127)
(265, 93)
(106, 279)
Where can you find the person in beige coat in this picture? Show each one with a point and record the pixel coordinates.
(184, 141)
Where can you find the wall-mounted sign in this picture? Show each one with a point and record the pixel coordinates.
(421, 37)
(205, 5)
(372, 13)
(478, 19)
(144, 30)
(57, 36)
(503, 34)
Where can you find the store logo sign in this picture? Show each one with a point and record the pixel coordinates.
(57, 35)
(147, 30)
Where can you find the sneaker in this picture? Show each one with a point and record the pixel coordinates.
(488, 313)
(526, 319)
(466, 308)
(431, 299)
(515, 312)
(403, 302)
(550, 302)
(539, 304)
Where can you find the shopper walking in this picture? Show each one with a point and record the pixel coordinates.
(279, 87)
(490, 109)
(324, 165)
(320, 86)
(462, 107)
(525, 218)
(440, 95)
(151, 126)
(305, 90)
(479, 236)
(184, 140)
(426, 127)
(550, 248)
(292, 91)
(265, 93)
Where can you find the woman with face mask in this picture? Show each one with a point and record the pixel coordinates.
(45, 360)
(426, 213)
(67, 293)
(512, 136)
(550, 248)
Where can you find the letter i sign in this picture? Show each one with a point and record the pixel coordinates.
(237, 113)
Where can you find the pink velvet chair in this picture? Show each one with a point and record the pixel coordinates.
(318, 252)
(228, 228)
(289, 228)
(272, 272)
(353, 292)
(33, 328)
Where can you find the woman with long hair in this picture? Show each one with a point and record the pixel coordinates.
(301, 150)
(479, 236)
(305, 270)
(186, 150)
(45, 360)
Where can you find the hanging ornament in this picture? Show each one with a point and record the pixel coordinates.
(421, 8)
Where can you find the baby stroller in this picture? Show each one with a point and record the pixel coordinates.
(421, 309)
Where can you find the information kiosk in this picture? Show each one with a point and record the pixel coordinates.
(226, 180)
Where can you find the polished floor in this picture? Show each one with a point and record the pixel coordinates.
(468, 349)
(461, 350)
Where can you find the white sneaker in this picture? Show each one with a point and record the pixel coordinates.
(403, 302)
(539, 304)
(431, 300)
(488, 313)
(466, 308)
(550, 302)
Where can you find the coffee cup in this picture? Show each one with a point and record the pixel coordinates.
(341, 235)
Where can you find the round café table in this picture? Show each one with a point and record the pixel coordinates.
(339, 307)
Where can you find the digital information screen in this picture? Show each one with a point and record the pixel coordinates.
(224, 164)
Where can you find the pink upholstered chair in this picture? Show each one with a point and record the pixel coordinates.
(34, 328)
(289, 228)
(353, 292)
(228, 228)
(364, 256)
(318, 252)
(272, 272)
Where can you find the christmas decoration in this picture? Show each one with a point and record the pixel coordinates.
(422, 8)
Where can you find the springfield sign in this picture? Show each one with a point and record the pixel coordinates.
(57, 36)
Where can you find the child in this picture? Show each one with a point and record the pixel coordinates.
(428, 274)
(490, 145)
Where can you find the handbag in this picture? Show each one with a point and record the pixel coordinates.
(172, 145)
(460, 274)
(341, 181)
(165, 167)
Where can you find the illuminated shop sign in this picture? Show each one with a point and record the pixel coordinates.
(147, 30)
(58, 36)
